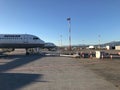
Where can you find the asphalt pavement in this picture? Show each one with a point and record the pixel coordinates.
(34, 72)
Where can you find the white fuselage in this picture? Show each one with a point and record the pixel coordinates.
(20, 41)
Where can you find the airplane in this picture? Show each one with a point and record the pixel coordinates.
(8, 42)
(50, 46)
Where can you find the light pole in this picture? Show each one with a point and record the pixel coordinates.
(61, 39)
(99, 40)
(69, 23)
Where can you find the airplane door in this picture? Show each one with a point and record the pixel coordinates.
(25, 39)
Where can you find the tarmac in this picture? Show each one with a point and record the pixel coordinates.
(36, 72)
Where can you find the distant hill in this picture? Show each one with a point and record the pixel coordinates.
(113, 43)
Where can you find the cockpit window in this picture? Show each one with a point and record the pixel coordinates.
(35, 38)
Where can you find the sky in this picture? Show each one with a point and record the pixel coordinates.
(92, 21)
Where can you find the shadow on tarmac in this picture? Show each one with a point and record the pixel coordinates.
(14, 81)
(18, 60)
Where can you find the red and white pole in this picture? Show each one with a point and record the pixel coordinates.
(69, 22)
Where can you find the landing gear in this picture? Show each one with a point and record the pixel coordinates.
(32, 51)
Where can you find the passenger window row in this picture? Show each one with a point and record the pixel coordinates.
(20, 38)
